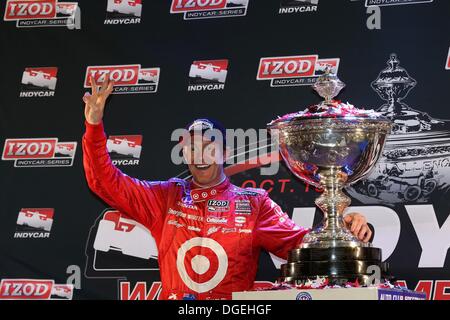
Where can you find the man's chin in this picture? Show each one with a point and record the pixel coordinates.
(203, 178)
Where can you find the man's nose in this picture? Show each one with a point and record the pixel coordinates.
(198, 157)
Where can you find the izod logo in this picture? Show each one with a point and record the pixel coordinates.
(206, 9)
(39, 152)
(19, 289)
(286, 67)
(294, 70)
(43, 13)
(20, 10)
(127, 78)
(218, 205)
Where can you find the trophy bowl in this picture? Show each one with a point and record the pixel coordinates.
(330, 146)
(330, 154)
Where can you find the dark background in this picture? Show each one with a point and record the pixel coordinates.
(418, 34)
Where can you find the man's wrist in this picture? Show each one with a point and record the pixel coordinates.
(94, 131)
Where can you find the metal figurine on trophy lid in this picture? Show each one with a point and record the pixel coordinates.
(331, 145)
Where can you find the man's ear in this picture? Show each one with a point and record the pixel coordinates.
(184, 155)
(227, 154)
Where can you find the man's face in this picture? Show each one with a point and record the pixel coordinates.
(205, 159)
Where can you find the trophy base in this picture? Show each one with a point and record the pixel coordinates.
(334, 254)
(324, 238)
(341, 280)
(338, 264)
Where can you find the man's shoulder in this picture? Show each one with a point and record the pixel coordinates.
(255, 197)
(166, 184)
(177, 182)
(249, 192)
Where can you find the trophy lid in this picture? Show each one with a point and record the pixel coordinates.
(328, 86)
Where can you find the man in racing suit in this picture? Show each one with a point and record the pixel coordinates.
(209, 232)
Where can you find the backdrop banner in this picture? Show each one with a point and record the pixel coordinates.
(242, 62)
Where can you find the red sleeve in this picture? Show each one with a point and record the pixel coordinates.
(275, 231)
(143, 201)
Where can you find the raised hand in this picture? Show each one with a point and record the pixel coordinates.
(95, 102)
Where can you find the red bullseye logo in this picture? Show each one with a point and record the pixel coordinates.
(202, 264)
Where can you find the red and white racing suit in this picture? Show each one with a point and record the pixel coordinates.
(208, 239)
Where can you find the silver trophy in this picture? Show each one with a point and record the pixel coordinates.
(330, 146)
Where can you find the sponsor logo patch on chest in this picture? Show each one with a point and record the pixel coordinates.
(218, 205)
(212, 230)
(217, 220)
(184, 215)
(243, 207)
(240, 220)
(229, 230)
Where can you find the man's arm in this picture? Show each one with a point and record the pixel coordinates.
(141, 200)
(278, 234)
(275, 231)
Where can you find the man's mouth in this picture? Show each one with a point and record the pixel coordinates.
(202, 166)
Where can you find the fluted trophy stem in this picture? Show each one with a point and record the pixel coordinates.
(333, 202)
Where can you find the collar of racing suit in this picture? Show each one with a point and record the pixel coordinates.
(202, 194)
